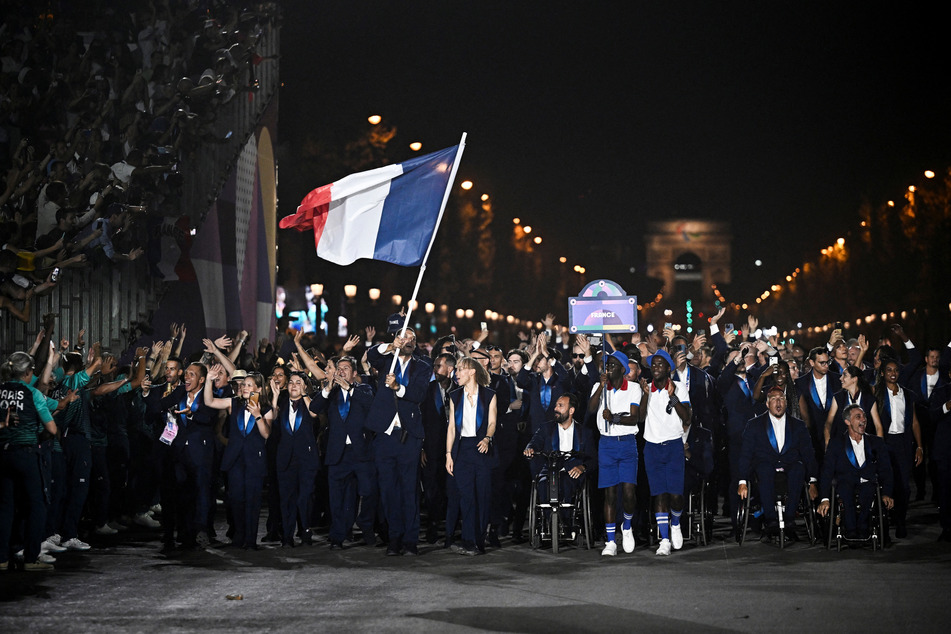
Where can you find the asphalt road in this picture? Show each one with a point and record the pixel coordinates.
(125, 584)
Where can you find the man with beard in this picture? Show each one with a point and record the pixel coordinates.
(396, 419)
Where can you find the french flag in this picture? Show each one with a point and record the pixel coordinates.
(388, 213)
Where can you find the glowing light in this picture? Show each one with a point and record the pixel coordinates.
(397, 300)
(527, 228)
(374, 119)
(562, 259)
(538, 240)
(413, 304)
(891, 203)
(469, 313)
(840, 241)
(488, 314)
(911, 188)
(460, 313)
(374, 293)
(485, 197)
(789, 278)
(510, 319)
(758, 263)
(430, 307)
(929, 174)
(317, 289)
(467, 185)
(416, 146)
(350, 290)
(516, 220)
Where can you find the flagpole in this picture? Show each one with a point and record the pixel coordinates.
(422, 268)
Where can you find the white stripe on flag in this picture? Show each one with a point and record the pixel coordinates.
(353, 224)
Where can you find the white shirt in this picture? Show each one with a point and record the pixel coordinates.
(821, 387)
(661, 426)
(779, 429)
(469, 406)
(931, 380)
(859, 449)
(897, 404)
(566, 437)
(618, 402)
(404, 366)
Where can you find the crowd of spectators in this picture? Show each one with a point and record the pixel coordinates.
(99, 111)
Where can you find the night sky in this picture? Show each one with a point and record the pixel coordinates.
(587, 120)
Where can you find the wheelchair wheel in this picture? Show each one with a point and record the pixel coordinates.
(809, 515)
(743, 518)
(555, 512)
(880, 520)
(833, 513)
(534, 519)
(586, 505)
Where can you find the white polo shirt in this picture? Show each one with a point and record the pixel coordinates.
(661, 426)
(618, 402)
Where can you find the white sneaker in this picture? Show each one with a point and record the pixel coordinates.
(105, 529)
(49, 546)
(156, 508)
(46, 559)
(144, 519)
(54, 539)
(610, 549)
(676, 537)
(76, 544)
(627, 539)
(664, 548)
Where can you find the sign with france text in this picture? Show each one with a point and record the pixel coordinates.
(602, 306)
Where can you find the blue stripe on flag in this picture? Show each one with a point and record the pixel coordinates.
(412, 208)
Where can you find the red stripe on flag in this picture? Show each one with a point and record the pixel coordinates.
(315, 203)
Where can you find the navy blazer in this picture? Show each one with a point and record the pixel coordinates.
(807, 391)
(547, 439)
(838, 465)
(739, 406)
(386, 404)
(482, 417)
(941, 446)
(531, 383)
(361, 397)
(842, 397)
(301, 443)
(435, 412)
(248, 445)
(700, 444)
(705, 402)
(758, 446)
(885, 414)
(197, 424)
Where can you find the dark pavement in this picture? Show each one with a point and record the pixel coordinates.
(125, 584)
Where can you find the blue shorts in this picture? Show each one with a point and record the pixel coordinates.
(617, 460)
(664, 463)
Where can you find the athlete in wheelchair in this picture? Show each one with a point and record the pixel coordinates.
(777, 449)
(698, 465)
(857, 478)
(565, 451)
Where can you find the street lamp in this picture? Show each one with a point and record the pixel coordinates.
(466, 185)
(350, 290)
(374, 119)
(397, 300)
(538, 239)
(317, 289)
(460, 313)
(416, 146)
(374, 294)
(430, 307)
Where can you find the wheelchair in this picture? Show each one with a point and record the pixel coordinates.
(696, 519)
(834, 532)
(806, 510)
(545, 515)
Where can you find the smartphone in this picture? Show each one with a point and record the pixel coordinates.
(728, 328)
(838, 326)
(774, 360)
(681, 348)
(255, 397)
(668, 325)
(702, 331)
(484, 326)
(55, 276)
